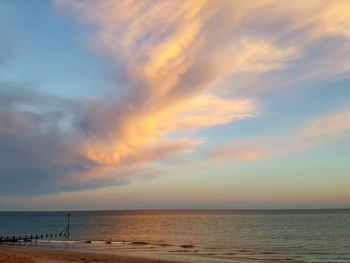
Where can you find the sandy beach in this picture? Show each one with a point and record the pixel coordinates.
(28, 255)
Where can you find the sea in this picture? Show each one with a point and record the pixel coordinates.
(191, 235)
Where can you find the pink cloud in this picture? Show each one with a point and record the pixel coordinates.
(316, 133)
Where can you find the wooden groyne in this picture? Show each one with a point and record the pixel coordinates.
(29, 238)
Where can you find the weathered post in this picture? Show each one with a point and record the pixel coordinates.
(68, 225)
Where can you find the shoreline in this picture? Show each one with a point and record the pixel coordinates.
(15, 254)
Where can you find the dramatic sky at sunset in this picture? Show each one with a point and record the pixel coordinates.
(174, 104)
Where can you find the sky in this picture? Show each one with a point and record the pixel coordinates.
(174, 104)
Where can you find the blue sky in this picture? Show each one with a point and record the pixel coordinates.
(66, 68)
(142, 107)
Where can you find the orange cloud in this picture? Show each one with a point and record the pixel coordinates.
(178, 67)
(168, 73)
(173, 54)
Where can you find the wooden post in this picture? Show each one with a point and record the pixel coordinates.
(68, 225)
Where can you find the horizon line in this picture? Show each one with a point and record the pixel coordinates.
(175, 209)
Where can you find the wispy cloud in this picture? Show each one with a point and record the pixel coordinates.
(316, 133)
(169, 59)
(333, 126)
(169, 69)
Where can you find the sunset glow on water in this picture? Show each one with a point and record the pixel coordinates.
(197, 235)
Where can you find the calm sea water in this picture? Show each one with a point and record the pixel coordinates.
(196, 236)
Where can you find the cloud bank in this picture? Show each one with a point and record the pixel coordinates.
(169, 59)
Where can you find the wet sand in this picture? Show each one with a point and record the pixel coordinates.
(26, 255)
